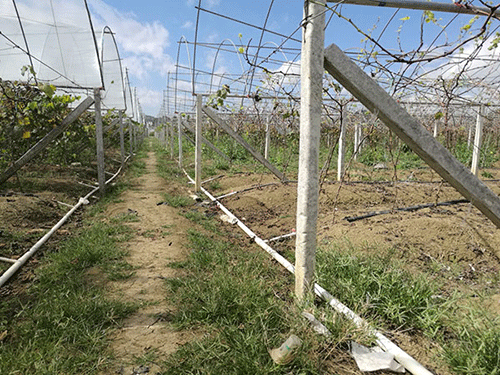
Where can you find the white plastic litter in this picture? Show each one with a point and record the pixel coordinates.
(84, 201)
(317, 325)
(228, 219)
(374, 359)
(286, 352)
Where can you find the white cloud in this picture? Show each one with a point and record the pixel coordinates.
(149, 98)
(143, 48)
(187, 25)
(132, 35)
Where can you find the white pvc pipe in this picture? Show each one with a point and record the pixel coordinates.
(401, 356)
(7, 260)
(21, 261)
(281, 237)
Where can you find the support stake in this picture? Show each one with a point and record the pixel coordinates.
(313, 36)
(100, 142)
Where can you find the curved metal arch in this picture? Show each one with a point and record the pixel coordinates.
(215, 61)
(107, 30)
(95, 41)
(182, 38)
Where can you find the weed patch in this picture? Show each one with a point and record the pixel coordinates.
(243, 302)
(59, 325)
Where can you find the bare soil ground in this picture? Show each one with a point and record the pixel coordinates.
(159, 239)
(457, 238)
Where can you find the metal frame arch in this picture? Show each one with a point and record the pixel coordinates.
(215, 61)
(107, 30)
(182, 39)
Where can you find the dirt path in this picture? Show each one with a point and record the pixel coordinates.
(160, 235)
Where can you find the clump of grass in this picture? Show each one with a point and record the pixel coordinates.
(476, 349)
(59, 325)
(377, 287)
(177, 200)
(202, 219)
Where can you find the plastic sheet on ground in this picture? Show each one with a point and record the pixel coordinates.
(374, 359)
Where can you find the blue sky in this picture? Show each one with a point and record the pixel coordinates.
(148, 32)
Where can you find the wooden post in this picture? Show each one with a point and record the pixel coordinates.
(374, 98)
(101, 177)
(122, 138)
(311, 74)
(197, 155)
(340, 160)
(478, 139)
(179, 136)
(45, 141)
(268, 138)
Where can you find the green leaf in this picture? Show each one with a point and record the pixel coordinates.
(48, 89)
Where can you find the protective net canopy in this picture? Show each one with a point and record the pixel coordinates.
(55, 37)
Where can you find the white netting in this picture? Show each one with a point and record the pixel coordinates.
(59, 38)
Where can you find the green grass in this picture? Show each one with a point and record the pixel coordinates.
(177, 200)
(59, 325)
(231, 295)
(379, 288)
(476, 348)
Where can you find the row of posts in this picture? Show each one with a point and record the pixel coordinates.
(308, 175)
(135, 137)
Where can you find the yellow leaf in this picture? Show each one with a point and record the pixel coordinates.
(26, 135)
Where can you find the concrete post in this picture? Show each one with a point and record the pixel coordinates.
(122, 139)
(197, 155)
(341, 157)
(313, 36)
(478, 139)
(358, 139)
(268, 138)
(469, 136)
(171, 129)
(131, 136)
(179, 136)
(100, 142)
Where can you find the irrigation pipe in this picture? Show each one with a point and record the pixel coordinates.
(21, 261)
(350, 219)
(247, 189)
(401, 356)
(285, 236)
(7, 260)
